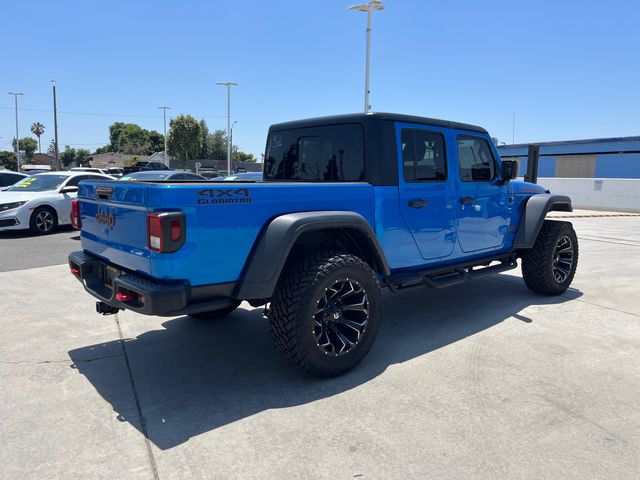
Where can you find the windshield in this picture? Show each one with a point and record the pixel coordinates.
(145, 176)
(39, 183)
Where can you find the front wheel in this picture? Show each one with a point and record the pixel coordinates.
(549, 267)
(43, 220)
(326, 312)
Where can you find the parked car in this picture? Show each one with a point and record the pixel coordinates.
(162, 175)
(8, 178)
(211, 175)
(143, 166)
(41, 202)
(115, 171)
(244, 177)
(89, 170)
(349, 205)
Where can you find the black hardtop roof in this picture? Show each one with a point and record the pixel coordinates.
(367, 117)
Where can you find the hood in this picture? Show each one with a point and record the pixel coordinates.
(520, 186)
(13, 196)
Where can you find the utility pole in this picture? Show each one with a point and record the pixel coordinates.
(55, 126)
(15, 96)
(228, 85)
(368, 8)
(164, 116)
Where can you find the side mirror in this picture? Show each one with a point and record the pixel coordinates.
(69, 190)
(509, 170)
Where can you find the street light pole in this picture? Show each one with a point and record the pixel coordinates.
(15, 96)
(231, 136)
(55, 126)
(228, 85)
(368, 8)
(164, 116)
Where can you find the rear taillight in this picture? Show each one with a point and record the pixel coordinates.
(76, 221)
(166, 231)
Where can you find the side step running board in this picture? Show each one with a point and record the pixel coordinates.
(447, 278)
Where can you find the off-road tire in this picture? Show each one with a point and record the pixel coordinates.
(297, 295)
(43, 220)
(538, 262)
(215, 314)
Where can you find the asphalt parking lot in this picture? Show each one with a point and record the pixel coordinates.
(482, 380)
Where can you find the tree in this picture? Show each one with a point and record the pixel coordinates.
(38, 130)
(72, 157)
(240, 156)
(185, 138)
(52, 148)
(28, 145)
(204, 139)
(81, 154)
(218, 145)
(8, 160)
(68, 156)
(156, 141)
(106, 149)
(132, 139)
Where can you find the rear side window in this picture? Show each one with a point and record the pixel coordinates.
(423, 156)
(332, 153)
(476, 160)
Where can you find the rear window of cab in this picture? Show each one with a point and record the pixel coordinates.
(332, 153)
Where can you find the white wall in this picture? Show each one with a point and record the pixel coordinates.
(599, 193)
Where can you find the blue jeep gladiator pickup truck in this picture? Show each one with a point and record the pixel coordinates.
(349, 204)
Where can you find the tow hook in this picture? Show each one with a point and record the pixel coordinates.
(106, 309)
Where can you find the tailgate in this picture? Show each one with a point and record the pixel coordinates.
(114, 216)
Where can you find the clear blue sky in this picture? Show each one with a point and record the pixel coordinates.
(569, 69)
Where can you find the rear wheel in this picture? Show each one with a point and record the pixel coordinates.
(214, 314)
(549, 267)
(43, 220)
(326, 312)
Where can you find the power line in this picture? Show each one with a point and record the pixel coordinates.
(96, 114)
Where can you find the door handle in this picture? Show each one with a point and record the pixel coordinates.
(418, 203)
(467, 200)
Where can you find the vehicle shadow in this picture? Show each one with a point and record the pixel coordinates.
(26, 233)
(194, 376)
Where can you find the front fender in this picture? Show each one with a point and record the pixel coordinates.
(533, 215)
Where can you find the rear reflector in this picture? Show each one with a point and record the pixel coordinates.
(75, 271)
(125, 297)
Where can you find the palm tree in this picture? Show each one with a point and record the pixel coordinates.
(38, 130)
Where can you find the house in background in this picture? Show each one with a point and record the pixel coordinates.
(159, 157)
(39, 161)
(112, 159)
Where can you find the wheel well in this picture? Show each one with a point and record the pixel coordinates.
(347, 240)
(560, 207)
(49, 207)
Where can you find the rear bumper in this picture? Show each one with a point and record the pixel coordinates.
(149, 297)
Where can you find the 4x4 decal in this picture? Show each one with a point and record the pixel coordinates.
(220, 196)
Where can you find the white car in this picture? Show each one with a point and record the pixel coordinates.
(41, 202)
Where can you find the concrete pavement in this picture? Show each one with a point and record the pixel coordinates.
(482, 380)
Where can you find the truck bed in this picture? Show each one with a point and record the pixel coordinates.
(223, 220)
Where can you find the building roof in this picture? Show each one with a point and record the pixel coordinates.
(42, 159)
(576, 147)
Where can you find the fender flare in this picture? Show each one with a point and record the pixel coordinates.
(270, 253)
(533, 214)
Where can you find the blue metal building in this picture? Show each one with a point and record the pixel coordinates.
(595, 158)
